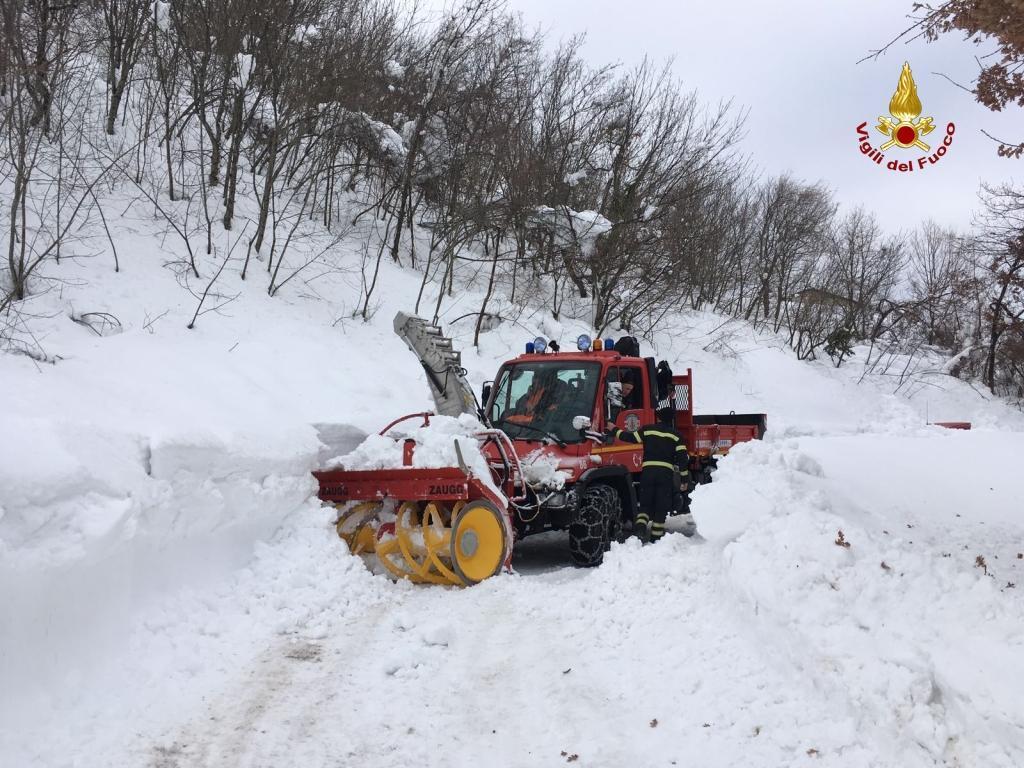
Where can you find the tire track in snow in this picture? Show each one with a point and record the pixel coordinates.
(519, 670)
(274, 698)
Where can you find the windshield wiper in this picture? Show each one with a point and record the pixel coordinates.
(549, 435)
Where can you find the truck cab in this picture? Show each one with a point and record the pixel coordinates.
(541, 395)
(554, 406)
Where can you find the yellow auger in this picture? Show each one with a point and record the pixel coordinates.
(430, 542)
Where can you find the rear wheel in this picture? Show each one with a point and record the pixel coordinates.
(591, 528)
(706, 468)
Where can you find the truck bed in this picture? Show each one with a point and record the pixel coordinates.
(712, 434)
(759, 420)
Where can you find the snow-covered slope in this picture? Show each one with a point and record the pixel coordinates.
(172, 595)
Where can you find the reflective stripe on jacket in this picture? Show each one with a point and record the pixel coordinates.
(663, 446)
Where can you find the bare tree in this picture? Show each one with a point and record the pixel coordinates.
(941, 279)
(863, 267)
(793, 224)
(1002, 243)
(124, 34)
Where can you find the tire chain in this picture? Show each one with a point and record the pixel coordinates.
(592, 525)
(614, 527)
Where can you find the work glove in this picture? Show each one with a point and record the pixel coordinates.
(609, 436)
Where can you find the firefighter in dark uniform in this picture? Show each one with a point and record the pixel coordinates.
(664, 473)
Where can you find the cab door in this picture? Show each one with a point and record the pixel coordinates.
(626, 399)
(624, 402)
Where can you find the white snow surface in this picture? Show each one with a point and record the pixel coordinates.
(245, 64)
(574, 178)
(305, 32)
(434, 447)
(541, 469)
(571, 227)
(173, 595)
(390, 142)
(394, 69)
(162, 15)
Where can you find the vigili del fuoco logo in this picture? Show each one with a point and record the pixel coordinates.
(905, 130)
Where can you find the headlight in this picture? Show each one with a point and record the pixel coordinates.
(555, 500)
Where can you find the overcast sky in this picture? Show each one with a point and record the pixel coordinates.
(793, 63)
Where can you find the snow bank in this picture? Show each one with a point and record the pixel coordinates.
(435, 447)
(98, 523)
(75, 491)
(574, 178)
(304, 32)
(892, 618)
(297, 588)
(571, 227)
(390, 142)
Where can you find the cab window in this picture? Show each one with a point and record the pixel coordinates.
(541, 398)
(631, 380)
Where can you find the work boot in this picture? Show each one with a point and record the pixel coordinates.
(642, 530)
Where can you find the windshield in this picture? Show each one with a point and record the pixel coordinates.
(534, 399)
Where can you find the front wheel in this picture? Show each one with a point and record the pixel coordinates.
(590, 528)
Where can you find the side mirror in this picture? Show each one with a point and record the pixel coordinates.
(581, 422)
(485, 394)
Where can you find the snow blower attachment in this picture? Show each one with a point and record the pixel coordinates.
(432, 526)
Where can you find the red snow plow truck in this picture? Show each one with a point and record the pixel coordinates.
(544, 408)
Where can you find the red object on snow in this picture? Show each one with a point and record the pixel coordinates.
(952, 424)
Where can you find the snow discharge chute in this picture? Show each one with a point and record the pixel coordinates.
(443, 365)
